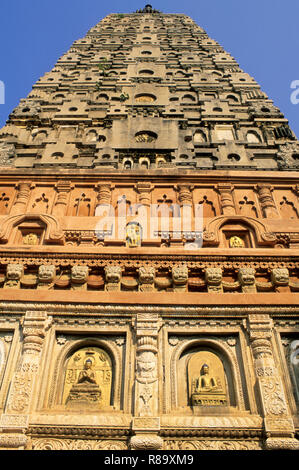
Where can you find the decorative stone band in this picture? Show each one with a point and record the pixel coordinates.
(13, 441)
(146, 442)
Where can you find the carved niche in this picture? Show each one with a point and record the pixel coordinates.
(206, 380)
(88, 379)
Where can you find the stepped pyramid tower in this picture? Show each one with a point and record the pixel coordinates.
(149, 237)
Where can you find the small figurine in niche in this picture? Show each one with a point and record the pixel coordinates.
(236, 242)
(207, 389)
(133, 235)
(30, 239)
(87, 375)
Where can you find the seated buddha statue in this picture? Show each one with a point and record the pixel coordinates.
(207, 389)
(86, 391)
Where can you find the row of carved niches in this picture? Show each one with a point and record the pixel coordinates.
(149, 279)
(88, 374)
(67, 199)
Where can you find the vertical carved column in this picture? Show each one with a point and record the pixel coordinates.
(144, 190)
(226, 198)
(23, 193)
(146, 423)
(15, 419)
(278, 422)
(185, 194)
(104, 194)
(63, 189)
(266, 201)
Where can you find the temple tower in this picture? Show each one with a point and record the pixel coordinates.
(149, 237)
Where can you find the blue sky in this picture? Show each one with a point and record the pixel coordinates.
(262, 35)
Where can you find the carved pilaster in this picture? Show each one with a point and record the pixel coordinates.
(279, 425)
(185, 194)
(23, 193)
(104, 194)
(63, 189)
(266, 201)
(144, 190)
(146, 423)
(226, 199)
(15, 419)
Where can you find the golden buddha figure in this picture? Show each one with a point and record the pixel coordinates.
(30, 239)
(207, 390)
(133, 235)
(86, 392)
(236, 242)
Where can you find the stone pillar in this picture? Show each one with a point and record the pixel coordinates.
(15, 419)
(226, 199)
(23, 193)
(144, 190)
(266, 201)
(104, 194)
(63, 189)
(146, 423)
(279, 426)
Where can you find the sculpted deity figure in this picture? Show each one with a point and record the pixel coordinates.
(206, 382)
(86, 392)
(236, 242)
(30, 239)
(207, 389)
(133, 235)
(87, 375)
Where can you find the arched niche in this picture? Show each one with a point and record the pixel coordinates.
(145, 98)
(105, 367)
(253, 137)
(46, 227)
(199, 137)
(223, 383)
(257, 230)
(88, 379)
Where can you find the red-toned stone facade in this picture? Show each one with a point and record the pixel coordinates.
(149, 250)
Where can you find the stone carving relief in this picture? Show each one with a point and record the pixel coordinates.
(88, 379)
(206, 380)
